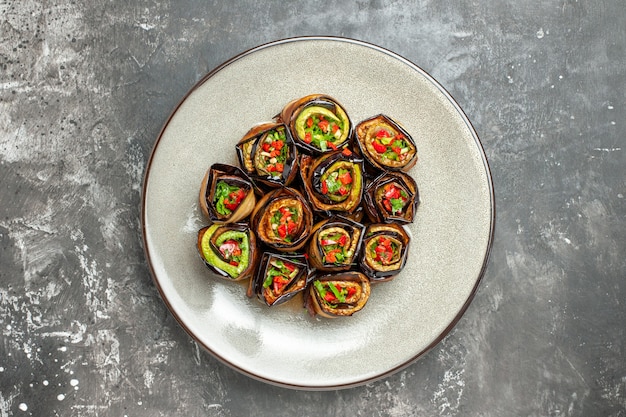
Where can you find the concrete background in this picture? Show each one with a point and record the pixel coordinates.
(85, 87)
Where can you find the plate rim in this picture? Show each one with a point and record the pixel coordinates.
(483, 158)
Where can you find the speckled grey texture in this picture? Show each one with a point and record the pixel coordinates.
(84, 90)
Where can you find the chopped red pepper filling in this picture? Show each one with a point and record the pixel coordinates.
(231, 251)
(227, 197)
(321, 132)
(390, 144)
(274, 152)
(384, 250)
(334, 292)
(394, 198)
(279, 275)
(285, 223)
(338, 183)
(234, 199)
(278, 283)
(334, 247)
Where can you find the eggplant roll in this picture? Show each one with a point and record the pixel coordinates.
(391, 197)
(279, 278)
(337, 295)
(335, 243)
(229, 250)
(282, 220)
(333, 182)
(385, 250)
(227, 195)
(318, 123)
(268, 154)
(385, 144)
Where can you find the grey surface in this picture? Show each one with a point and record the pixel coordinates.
(84, 90)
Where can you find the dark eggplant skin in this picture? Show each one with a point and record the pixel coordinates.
(316, 305)
(298, 107)
(250, 145)
(313, 170)
(233, 176)
(378, 271)
(373, 198)
(296, 285)
(365, 132)
(260, 220)
(353, 234)
(209, 252)
(350, 212)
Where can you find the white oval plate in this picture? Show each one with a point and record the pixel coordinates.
(451, 235)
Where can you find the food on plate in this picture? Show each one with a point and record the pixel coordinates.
(338, 295)
(226, 194)
(268, 154)
(334, 244)
(328, 233)
(282, 220)
(279, 278)
(333, 182)
(385, 249)
(385, 145)
(318, 123)
(391, 197)
(230, 250)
